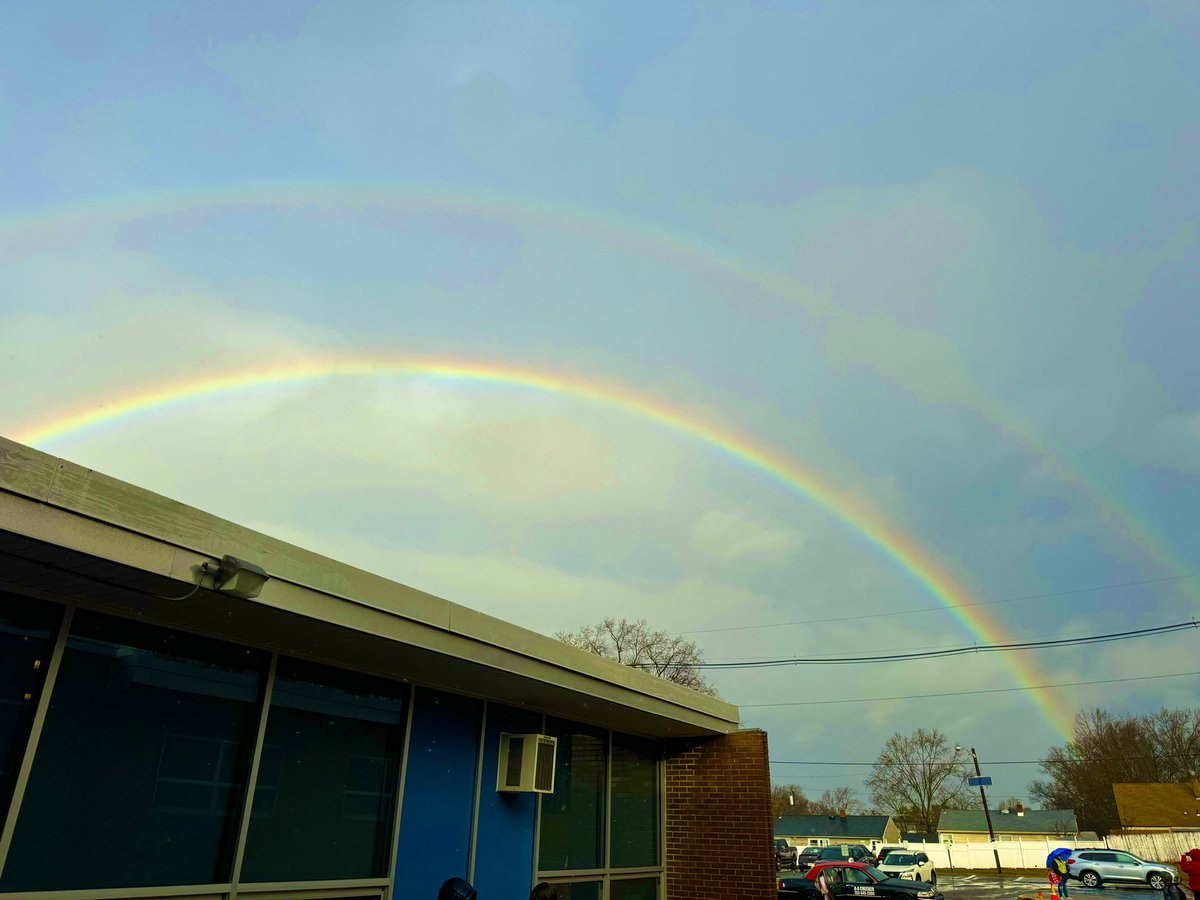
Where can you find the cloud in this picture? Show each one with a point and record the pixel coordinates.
(735, 534)
(1171, 442)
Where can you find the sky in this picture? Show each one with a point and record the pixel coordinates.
(784, 326)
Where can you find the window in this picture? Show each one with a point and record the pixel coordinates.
(633, 889)
(167, 720)
(635, 819)
(196, 774)
(1126, 859)
(579, 890)
(573, 817)
(27, 630)
(326, 797)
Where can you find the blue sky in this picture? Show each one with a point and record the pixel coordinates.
(943, 254)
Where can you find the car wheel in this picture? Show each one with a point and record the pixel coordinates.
(933, 878)
(1090, 879)
(918, 877)
(1157, 881)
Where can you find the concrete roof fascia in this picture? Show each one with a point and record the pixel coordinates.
(45, 479)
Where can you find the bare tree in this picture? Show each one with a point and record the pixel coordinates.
(918, 775)
(789, 800)
(837, 801)
(1105, 750)
(635, 644)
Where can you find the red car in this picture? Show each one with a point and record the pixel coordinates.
(853, 879)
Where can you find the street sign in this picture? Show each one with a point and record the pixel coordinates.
(982, 781)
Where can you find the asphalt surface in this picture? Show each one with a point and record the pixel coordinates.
(990, 886)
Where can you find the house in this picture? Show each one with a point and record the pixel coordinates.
(194, 709)
(1158, 807)
(802, 831)
(969, 826)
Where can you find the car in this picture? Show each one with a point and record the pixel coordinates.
(852, 879)
(846, 853)
(807, 857)
(785, 854)
(1094, 866)
(882, 852)
(908, 865)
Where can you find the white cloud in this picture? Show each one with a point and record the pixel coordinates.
(735, 534)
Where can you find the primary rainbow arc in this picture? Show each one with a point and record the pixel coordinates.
(897, 545)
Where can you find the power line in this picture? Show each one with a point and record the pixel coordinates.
(955, 651)
(925, 609)
(1032, 687)
(947, 762)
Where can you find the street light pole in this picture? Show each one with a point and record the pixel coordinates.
(987, 813)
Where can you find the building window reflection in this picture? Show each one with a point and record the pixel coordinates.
(146, 728)
(326, 799)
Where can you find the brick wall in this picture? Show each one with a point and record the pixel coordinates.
(718, 819)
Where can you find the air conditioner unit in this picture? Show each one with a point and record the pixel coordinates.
(526, 763)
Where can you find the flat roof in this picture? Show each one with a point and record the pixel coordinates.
(73, 533)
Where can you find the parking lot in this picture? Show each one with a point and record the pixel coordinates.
(990, 886)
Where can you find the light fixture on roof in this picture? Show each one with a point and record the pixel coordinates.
(239, 578)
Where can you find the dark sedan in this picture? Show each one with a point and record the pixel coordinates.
(850, 880)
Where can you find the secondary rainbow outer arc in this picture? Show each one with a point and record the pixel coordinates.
(898, 546)
(1135, 531)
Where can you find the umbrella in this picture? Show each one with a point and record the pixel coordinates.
(1061, 851)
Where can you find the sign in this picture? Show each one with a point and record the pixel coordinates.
(947, 839)
(982, 781)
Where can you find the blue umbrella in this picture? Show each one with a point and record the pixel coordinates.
(1061, 851)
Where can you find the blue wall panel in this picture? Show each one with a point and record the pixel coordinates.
(504, 846)
(439, 793)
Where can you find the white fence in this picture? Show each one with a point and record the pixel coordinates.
(1160, 846)
(1031, 853)
(1014, 854)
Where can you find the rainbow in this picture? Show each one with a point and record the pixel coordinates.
(886, 536)
(22, 230)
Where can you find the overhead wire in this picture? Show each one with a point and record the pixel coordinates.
(953, 651)
(927, 609)
(1008, 690)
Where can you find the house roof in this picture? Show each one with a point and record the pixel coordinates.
(1035, 821)
(832, 826)
(1158, 805)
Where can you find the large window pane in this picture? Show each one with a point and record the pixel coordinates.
(326, 795)
(572, 824)
(27, 630)
(635, 821)
(635, 889)
(579, 890)
(142, 764)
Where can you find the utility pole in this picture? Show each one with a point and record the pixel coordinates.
(987, 814)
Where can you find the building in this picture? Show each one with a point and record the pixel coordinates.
(968, 826)
(821, 831)
(1158, 807)
(294, 727)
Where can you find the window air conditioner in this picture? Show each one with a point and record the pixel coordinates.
(526, 763)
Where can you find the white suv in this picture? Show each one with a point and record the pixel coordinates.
(1094, 867)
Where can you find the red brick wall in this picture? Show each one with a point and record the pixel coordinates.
(718, 819)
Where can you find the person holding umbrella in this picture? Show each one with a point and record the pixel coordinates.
(1056, 862)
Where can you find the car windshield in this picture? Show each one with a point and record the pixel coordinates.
(900, 859)
(875, 874)
(811, 851)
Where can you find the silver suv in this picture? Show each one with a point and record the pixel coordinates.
(1094, 867)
